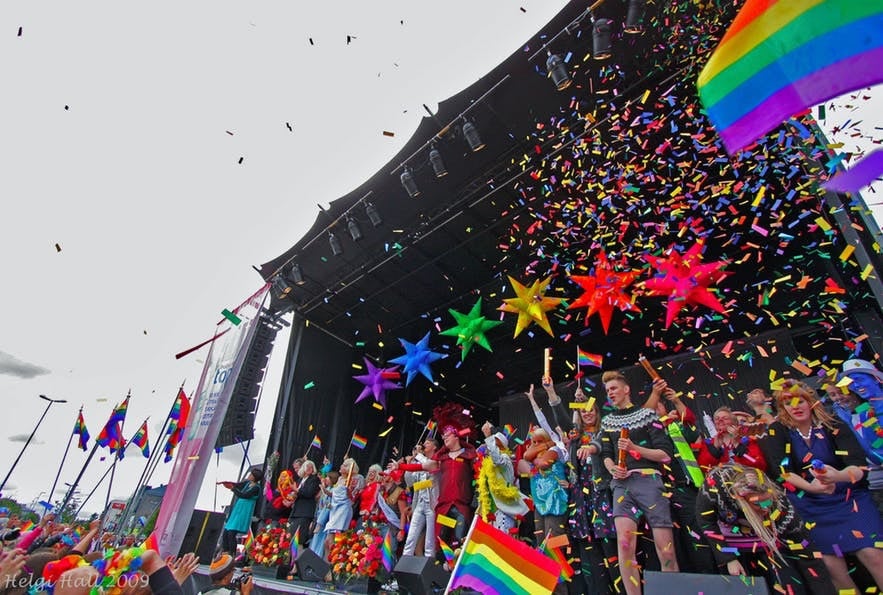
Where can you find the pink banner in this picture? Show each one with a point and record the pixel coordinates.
(210, 401)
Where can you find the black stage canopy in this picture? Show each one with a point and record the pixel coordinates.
(623, 162)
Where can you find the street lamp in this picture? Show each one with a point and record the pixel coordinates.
(48, 405)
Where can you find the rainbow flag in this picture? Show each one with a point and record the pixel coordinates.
(140, 440)
(780, 57)
(446, 550)
(359, 441)
(295, 545)
(81, 431)
(387, 555)
(584, 358)
(316, 443)
(492, 562)
(26, 526)
(556, 554)
(249, 539)
(151, 543)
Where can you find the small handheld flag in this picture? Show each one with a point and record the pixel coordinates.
(359, 442)
(584, 358)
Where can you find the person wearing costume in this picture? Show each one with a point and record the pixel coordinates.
(341, 513)
(729, 444)
(860, 408)
(590, 522)
(821, 463)
(637, 484)
(246, 494)
(498, 494)
(453, 463)
(423, 503)
(755, 530)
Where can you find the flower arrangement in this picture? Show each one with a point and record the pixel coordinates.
(356, 554)
(271, 547)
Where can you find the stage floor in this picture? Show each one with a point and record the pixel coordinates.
(268, 586)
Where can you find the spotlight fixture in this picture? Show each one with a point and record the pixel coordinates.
(281, 286)
(557, 71)
(472, 136)
(601, 44)
(438, 166)
(355, 231)
(409, 184)
(634, 20)
(334, 242)
(296, 274)
(373, 214)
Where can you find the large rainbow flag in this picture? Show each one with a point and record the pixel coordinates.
(780, 57)
(491, 562)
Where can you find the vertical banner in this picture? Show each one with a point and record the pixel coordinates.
(210, 401)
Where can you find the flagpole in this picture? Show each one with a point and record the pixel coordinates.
(116, 455)
(135, 500)
(462, 551)
(97, 485)
(63, 458)
(74, 485)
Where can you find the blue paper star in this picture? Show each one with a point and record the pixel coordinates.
(417, 358)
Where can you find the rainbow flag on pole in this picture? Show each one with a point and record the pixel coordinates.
(780, 57)
(81, 431)
(359, 442)
(316, 443)
(387, 554)
(584, 358)
(140, 440)
(491, 562)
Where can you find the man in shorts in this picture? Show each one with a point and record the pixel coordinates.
(637, 485)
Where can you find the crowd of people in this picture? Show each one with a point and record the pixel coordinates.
(786, 486)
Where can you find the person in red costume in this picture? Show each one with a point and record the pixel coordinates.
(729, 445)
(453, 462)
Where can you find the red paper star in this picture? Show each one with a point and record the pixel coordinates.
(685, 280)
(604, 291)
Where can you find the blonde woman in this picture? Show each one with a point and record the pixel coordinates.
(341, 513)
(822, 463)
(755, 530)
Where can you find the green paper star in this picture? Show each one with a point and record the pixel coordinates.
(470, 329)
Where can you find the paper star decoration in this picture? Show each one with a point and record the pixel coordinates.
(417, 358)
(377, 381)
(603, 291)
(685, 280)
(470, 329)
(531, 304)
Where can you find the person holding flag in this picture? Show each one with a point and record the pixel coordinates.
(302, 501)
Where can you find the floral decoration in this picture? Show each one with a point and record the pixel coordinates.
(356, 554)
(271, 547)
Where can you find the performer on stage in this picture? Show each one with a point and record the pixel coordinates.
(246, 494)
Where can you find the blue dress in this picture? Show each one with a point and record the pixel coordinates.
(845, 521)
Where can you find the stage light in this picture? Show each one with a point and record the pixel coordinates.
(634, 20)
(601, 44)
(438, 166)
(355, 231)
(281, 286)
(557, 71)
(373, 214)
(334, 242)
(409, 184)
(296, 274)
(470, 132)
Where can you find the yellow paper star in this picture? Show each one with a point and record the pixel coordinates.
(531, 305)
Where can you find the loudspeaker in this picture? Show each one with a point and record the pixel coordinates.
(420, 575)
(666, 583)
(311, 567)
(203, 534)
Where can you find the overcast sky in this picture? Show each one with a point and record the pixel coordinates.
(167, 147)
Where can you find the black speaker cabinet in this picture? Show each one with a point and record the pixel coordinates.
(203, 535)
(684, 583)
(419, 575)
(311, 567)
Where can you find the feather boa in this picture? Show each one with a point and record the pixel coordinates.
(491, 483)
